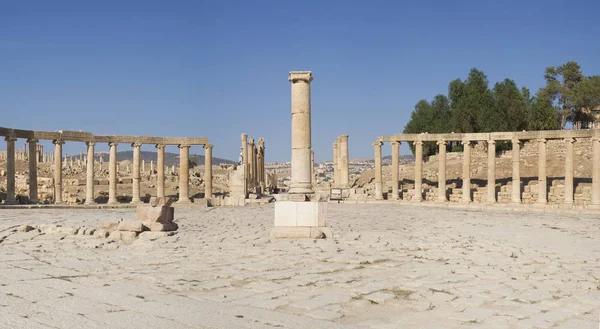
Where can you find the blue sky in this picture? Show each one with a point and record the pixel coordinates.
(219, 68)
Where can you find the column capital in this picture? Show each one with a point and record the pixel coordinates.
(58, 141)
(111, 144)
(244, 136)
(160, 146)
(343, 137)
(595, 138)
(377, 144)
(10, 138)
(569, 140)
(442, 142)
(251, 141)
(466, 142)
(90, 143)
(304, 76)
(32, 140)
(491, 142)
(542, 140)
(136, 144)
(396, 143)
(420, 143)
(184, 146)
(516, 141)
(208, 146)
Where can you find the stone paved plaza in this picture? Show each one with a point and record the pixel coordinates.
(388, 266)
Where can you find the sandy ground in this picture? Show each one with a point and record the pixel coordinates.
(388, 266)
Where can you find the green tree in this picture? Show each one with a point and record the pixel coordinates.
(470, 100)
(509, 110)
(561, 90)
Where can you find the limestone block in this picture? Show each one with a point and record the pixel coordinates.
(289, 213)
(162, 227)
(109, 225)
(101, 233)
(147, 214)
(299, 232)
(131, 226)
(161, 201)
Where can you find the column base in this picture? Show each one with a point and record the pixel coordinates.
(112, 201)
(184, 201)
(91, 203)
(139, 201)
(300, 220)
(416, 200)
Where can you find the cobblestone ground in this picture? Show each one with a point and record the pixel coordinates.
(388, 266)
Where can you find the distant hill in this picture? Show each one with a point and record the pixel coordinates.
(170, 158)
(408, 158)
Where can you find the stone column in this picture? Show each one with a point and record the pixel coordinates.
(491, 172)
(58, 171)
(516, 176)
(245, 157)
(89, 183)
(160, 170)
(301, 133)
(254, 166)
(336, 165)
(136, 173)
(251, 163)
(442, 171)
(378, 176)
(466, 176)
(344, 161)
(33, 160)
(395, 169)
(418, 171)
(312, 167)
(10, 170)
(569, 170)
(542, 180)
(184, 174)
(112, 173)
(208, 170)
(263, 183)
(595, 171)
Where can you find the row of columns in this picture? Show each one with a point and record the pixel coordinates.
(491, 171)
(112, 190)
(253, 161)
(341, 176)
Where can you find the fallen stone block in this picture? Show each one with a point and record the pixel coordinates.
(109, 225)
(101, 233)
(146, 213)
(162, 227)
(25, 228)
(131, 226)
(161, 201)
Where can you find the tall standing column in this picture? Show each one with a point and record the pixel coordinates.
(301, 133)
(442, 171)
(208, 170)
(596, 171)
(466, 177)
(251, 163)
(418, 171)
(33, 159)
(344, 161)
(516, 176)
(262, 170)
(312, 167)
(395, 169)
(261, 163)
(58, 171)
(542, 179)
(184, 174)
(336, 165)
(245, 158)
(136, 173)
(491, 172)
(569, 170)
(378, 175)
(89, 183)
(254, 166)
(10, 170)
(160, 170)
(112, 173)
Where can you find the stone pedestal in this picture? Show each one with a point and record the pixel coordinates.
(300, 220)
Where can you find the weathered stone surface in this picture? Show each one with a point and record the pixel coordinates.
(131, 226)
(146, 213)
(25, 228)
(158, 227)
(109, 225)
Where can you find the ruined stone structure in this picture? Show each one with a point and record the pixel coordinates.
(491, 194)
(253, 164)
(340, 162)
(60, 137)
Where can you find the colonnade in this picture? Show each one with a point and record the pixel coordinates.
(253, 162)
(341, 176)
(59, 138)
(467, 140)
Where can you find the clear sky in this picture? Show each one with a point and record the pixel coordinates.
(220, 68)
